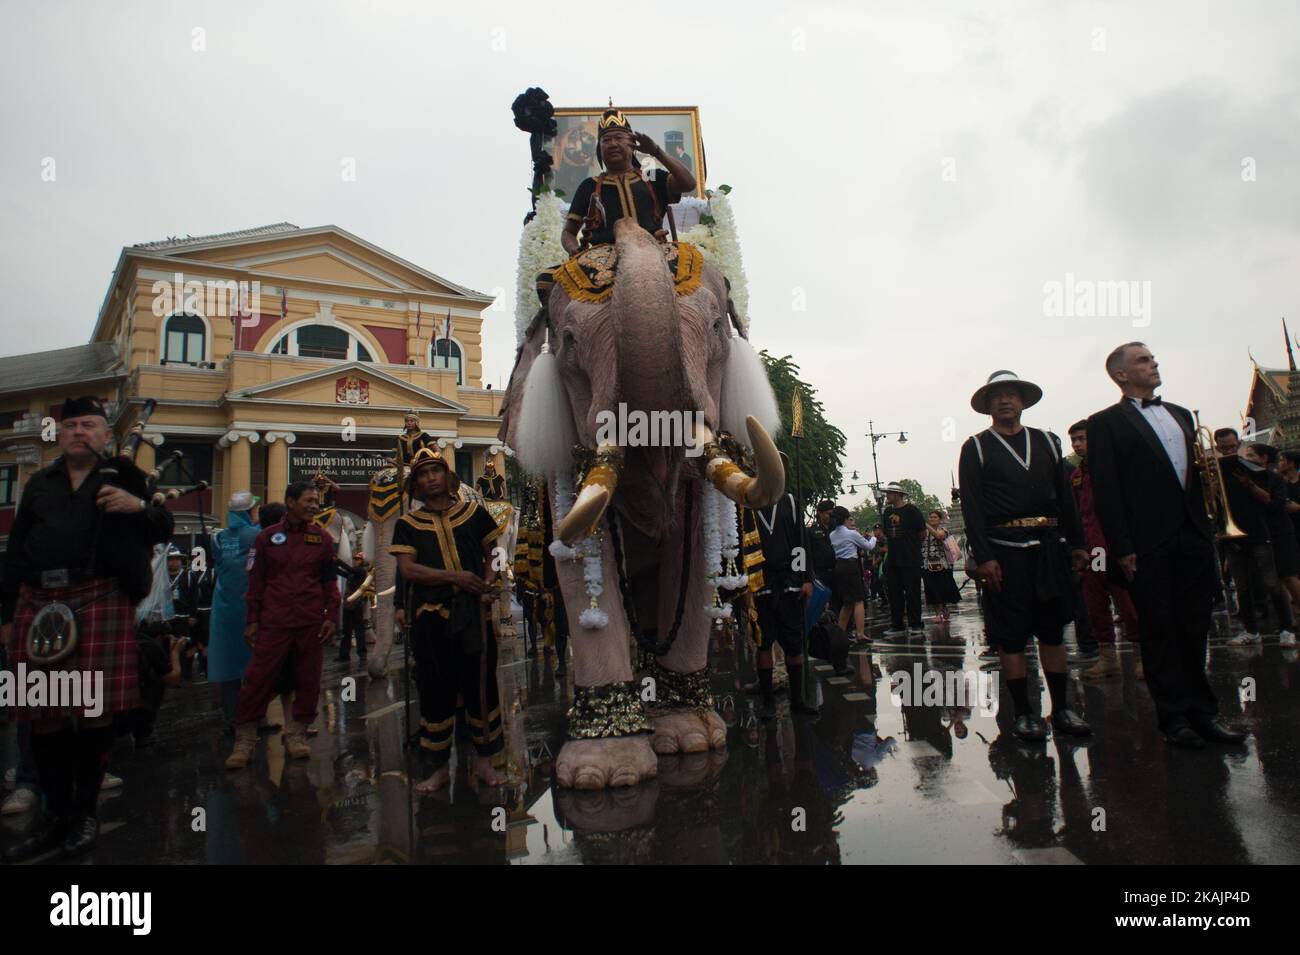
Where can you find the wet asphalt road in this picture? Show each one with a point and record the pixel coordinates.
(872, 780)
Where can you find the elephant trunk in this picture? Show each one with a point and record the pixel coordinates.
(646, 326)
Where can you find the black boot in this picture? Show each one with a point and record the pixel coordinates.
(797, 705)
(82, 836)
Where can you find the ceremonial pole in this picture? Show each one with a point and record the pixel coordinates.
(796, 435)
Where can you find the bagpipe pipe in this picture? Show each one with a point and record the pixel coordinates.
(120, 470)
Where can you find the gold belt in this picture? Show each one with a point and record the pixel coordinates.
(1031, 522)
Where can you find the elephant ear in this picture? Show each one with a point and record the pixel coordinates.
(525, 355)
(746, 390)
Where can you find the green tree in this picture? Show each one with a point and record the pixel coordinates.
(822, 446)
(866, 516)
(925, 501)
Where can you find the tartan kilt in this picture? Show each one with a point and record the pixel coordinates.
(106, 643)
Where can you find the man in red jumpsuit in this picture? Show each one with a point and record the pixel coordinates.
(1099, 589)
(293, 603)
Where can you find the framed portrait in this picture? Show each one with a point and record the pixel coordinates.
(675, 128)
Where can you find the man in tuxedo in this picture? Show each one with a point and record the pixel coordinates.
(1148, 497)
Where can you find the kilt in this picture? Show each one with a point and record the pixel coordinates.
(106, 644)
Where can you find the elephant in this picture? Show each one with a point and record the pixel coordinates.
(650, 348)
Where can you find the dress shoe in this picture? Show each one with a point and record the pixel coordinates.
(1070, 723)
(1216, 731)
(1029, 728)
(81, 837)
(48, 835)
(1184, 737)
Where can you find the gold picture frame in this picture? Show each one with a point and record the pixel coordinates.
(573, 147)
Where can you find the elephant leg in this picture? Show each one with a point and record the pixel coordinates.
(683, 712)
(609, 740)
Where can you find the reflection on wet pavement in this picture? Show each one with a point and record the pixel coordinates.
(871, 780)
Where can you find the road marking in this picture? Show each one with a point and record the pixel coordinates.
(383, 710)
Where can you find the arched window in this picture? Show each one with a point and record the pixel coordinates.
(322, 341)
(445, 353)
(184, 340)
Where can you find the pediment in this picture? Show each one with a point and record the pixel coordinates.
(373, 388)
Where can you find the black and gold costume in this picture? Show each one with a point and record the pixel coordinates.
(451, 656)
(492, 487)
(623, 194)
(408, 444)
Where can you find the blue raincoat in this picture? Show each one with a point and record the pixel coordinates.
(228, 654)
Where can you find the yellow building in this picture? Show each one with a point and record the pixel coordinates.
(270, 352)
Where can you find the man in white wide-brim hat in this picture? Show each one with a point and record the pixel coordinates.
(904, 527)
(1020, 521)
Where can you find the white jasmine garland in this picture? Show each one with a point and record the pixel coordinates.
(539, 248)
(720, 243)
(712, 533)
(564, 498)
(593, 569)
(731, 546)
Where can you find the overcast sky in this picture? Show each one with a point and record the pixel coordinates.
(914, 173)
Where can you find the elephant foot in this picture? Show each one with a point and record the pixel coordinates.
(607, 810)
(603, 763)
(688, 731)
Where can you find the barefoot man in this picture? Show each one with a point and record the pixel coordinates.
(444, 553)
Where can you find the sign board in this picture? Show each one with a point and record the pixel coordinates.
(346, 467)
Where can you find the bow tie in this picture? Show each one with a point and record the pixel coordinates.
(1148, 402)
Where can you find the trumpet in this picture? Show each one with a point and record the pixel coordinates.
(1212, 487)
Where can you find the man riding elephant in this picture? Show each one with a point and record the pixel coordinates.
(636, 327)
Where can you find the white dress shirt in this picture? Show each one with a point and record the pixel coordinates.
(1170, 435)
(847, 542)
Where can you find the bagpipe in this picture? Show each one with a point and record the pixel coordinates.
(53, 636)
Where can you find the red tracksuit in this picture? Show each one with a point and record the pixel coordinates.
(292, 590)
(1098, 589)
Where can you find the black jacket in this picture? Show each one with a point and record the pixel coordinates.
(1138, 498)
(57, 527)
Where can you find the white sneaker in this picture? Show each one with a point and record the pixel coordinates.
(110, 782)
(1244, 640)
(1286, 638)
(19, 801)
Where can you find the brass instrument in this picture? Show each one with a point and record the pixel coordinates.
(1212, 488)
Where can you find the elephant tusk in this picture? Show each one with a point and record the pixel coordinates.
(768, 483)
(367, 585)
(594, 496)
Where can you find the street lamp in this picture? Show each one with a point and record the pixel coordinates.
(875, 436)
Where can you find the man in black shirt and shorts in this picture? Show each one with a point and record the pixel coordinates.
(1020, 519)
(904, 528)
